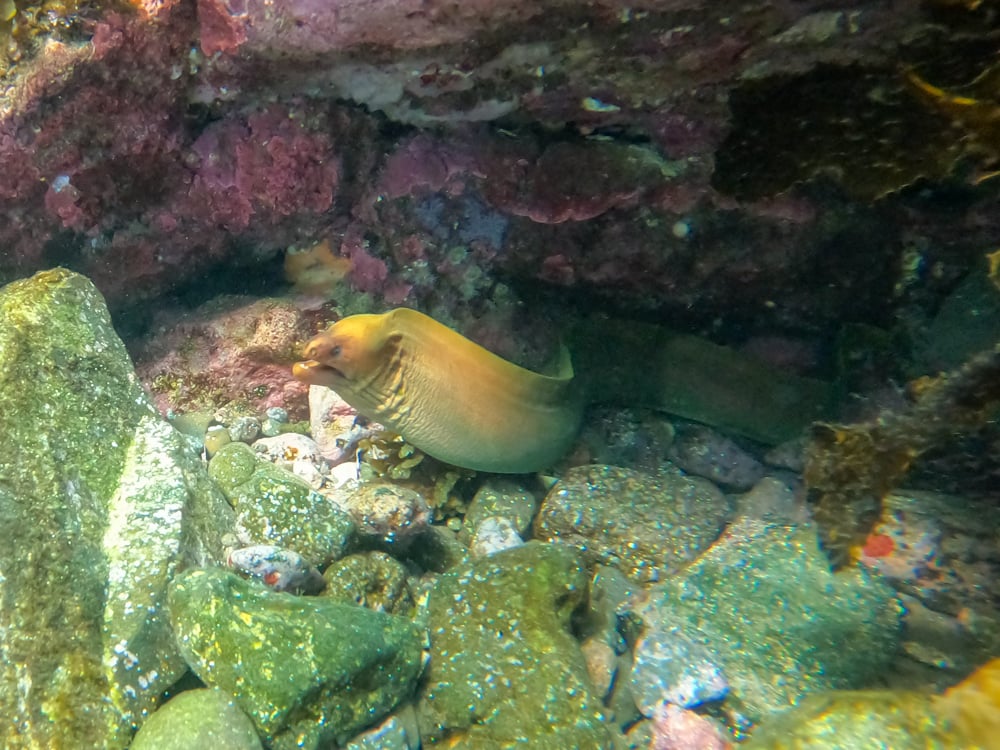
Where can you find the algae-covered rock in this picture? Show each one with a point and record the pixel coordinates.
(764, 603)
(306, 670)
(505, 671)
(101, 502)
(645, 525)
(848, 719)
(504, 499)
(371, 579)
(203, 719)
(276, 507)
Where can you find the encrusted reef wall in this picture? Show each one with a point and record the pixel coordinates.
(776, 166)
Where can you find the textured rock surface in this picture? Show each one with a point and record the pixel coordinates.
(856, 719)
(102, 502)
(504, 668)
(204, 719)
(306, 670)
(646, 525)
(370, 579)
(763, 601)
(274, 506)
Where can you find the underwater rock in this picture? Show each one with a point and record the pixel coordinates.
(231, 350)
(670, 667)
(388, 513)
(494, 534)
(398, 732)
(763, 602)
(370, 579)
(278, 569)
(679, 729)
(646, 525)
(103, 502)
(504, 668)
(702, 451)
(964, 716)
(308, 671)
(273, 506)
(296, 453)
(505, 499)
(203, 719)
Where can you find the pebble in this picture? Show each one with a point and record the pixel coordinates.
(670, 667)
(390, 513)
(706, 453)
(244, 429)
(494, 534)
(278, 569)
(297, 453)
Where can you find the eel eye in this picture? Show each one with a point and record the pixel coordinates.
(335, 351)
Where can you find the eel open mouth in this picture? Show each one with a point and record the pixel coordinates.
(315, 373)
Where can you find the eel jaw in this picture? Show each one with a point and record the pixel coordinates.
(316, 373)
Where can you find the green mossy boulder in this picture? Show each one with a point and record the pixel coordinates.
(505, 670)
(276, 507)
(777, 622)
(101, 502)
(306, 670)
(204, 719)
(857, 719)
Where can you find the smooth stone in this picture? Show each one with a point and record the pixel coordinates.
(204, 719)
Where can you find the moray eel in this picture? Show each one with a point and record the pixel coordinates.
(446, 395)
(464, 405)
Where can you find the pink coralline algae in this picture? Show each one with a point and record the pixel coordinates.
(228, 350)
(311, 28)
(270, 165)
(99, 143)
(680, 729)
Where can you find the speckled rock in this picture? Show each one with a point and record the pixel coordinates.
(203, 719)
(101, 502)
(276, 507)
(371, 579)
(505, 671)
(845, 719)
(704, 452)
(670, 667)
(398, 732)
(505, 499)
(388, 513)
(297, 453)
(763, 602)
(306, 670)
(494, 534)
(646, 525)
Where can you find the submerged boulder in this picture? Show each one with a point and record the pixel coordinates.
(306, 670)
(763, 602)
(101, 501)
(505, 669)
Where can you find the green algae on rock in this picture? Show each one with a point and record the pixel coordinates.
(835, 720)
(103, 501)
(370, 579)
(646, 525)
(764, 603)
(276, 507)
(306, 670)
(504, 668)
(204, 719)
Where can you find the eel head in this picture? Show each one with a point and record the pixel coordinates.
(346, 353)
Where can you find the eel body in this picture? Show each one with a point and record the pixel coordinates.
(444, 394)
(464, 405)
